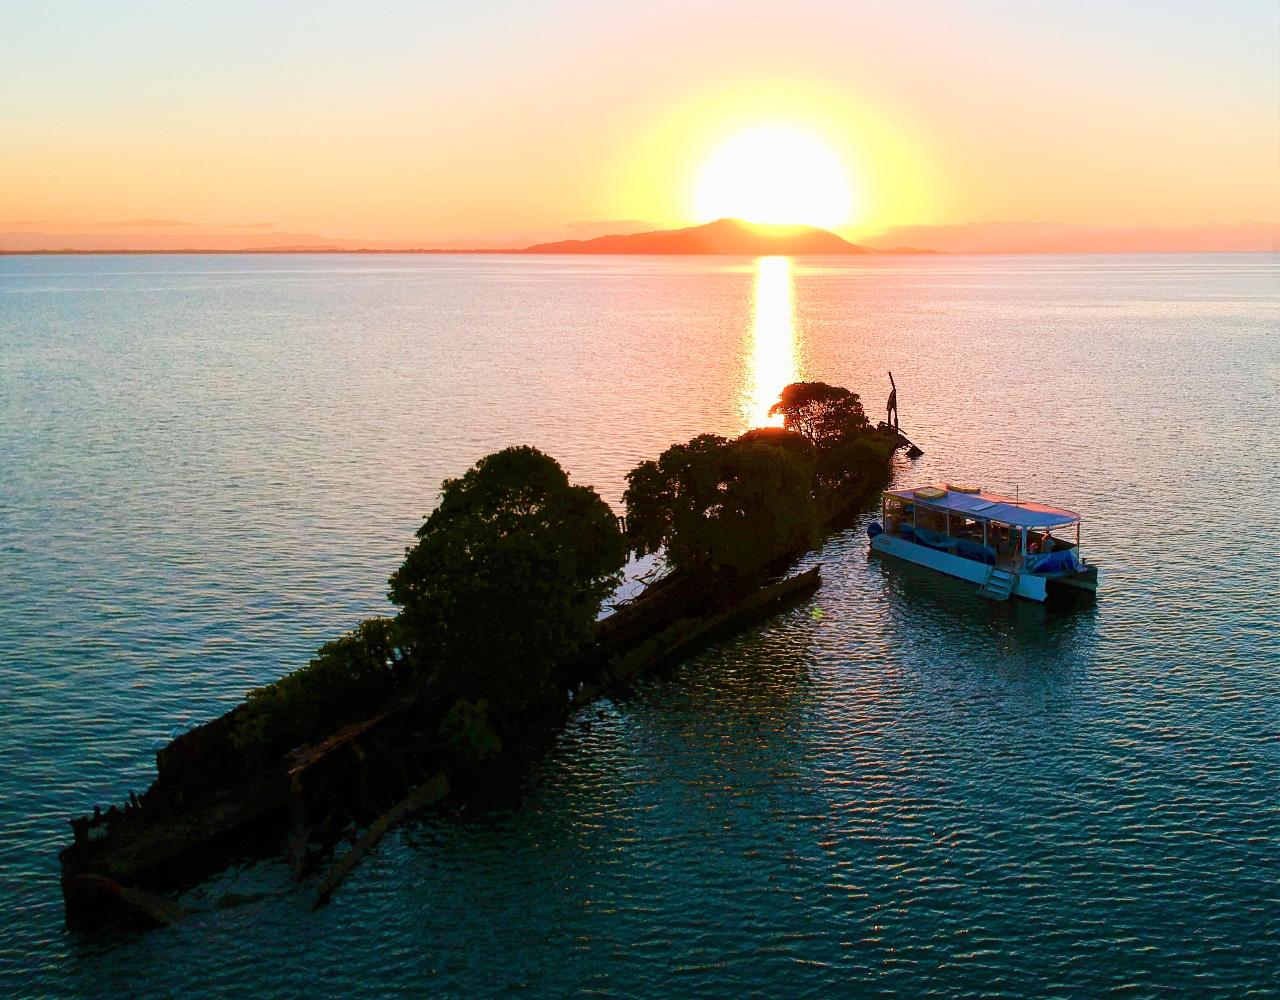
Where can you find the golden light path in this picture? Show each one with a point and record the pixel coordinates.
(773, 343)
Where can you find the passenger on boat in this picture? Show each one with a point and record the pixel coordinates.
(1045, 544)
(1009, 540)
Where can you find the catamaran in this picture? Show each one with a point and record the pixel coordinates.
(1005, 545)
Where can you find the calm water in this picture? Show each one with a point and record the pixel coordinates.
(208, 465)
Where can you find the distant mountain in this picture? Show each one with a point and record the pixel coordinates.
(724, 236)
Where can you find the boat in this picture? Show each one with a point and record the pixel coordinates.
(1009, 547)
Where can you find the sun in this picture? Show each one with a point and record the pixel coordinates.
(774, 175)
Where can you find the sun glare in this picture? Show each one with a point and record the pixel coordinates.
(774, 176)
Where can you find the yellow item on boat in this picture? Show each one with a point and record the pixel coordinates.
(929, 493)
(963, 488)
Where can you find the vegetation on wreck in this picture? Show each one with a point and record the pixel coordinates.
(498, 618)
(823, 414)
(721, 507)
(505, 582)
(352, 674)
(851, 456)
(724, 508)
(503, 585)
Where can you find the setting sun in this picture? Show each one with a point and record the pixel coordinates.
(774, 175)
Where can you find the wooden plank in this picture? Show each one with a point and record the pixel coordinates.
(430, 791)
(155, 908)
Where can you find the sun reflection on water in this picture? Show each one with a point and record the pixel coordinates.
(773, 341)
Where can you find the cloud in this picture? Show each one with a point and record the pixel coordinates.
(139, 224)
(104, 242)
(110, 225)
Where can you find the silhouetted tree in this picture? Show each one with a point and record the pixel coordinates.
(722, 506)
(467, 732)
(347, 676)
(506, 579)
(779, 437)
(853, 460)
(822, 413)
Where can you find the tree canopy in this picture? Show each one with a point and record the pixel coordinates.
(507, 577)
(346, 676)
(722, 506)
(854, 460)
(780, 437)
(822, 413)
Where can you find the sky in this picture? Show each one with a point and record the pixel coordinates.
(500, 123)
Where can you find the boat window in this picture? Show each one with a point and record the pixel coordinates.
(1004, 538)
(896, 512)
(931, 519)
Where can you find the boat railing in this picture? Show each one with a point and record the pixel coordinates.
(982, 540)
(962, 547)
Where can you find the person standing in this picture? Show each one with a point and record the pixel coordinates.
(891, 408)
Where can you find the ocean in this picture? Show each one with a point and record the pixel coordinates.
(210, 464)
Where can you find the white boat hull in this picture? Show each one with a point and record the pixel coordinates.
(1028, 585)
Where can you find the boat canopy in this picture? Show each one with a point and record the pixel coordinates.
(991, 507)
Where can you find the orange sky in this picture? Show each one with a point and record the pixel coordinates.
(504, 124)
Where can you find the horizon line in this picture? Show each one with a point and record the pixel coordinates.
(510, 252)
(977, 238)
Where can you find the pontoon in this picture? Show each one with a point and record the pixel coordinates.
(1005, 545)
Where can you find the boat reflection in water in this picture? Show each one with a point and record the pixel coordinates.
(772, 356)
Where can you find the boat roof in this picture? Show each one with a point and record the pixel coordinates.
(988, 506)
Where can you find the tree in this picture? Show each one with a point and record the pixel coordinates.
(719, 506)
(854, 460)
(822, 413)
(348, 676)
(467, 733)
(779, 437)
(506, 579)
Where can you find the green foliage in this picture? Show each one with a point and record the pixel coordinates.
(855, 460)
(346, 676)
(468, 734)
(822, 413)
(507, 577)
(718, 505)
(779, 437)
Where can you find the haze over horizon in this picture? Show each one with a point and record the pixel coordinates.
(1001, 128)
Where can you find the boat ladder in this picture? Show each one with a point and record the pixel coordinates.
(999, 584)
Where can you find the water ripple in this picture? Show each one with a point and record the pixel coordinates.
(898, 789)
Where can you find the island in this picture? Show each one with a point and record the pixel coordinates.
(724, 236)
(730, 237)
(500, 632)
